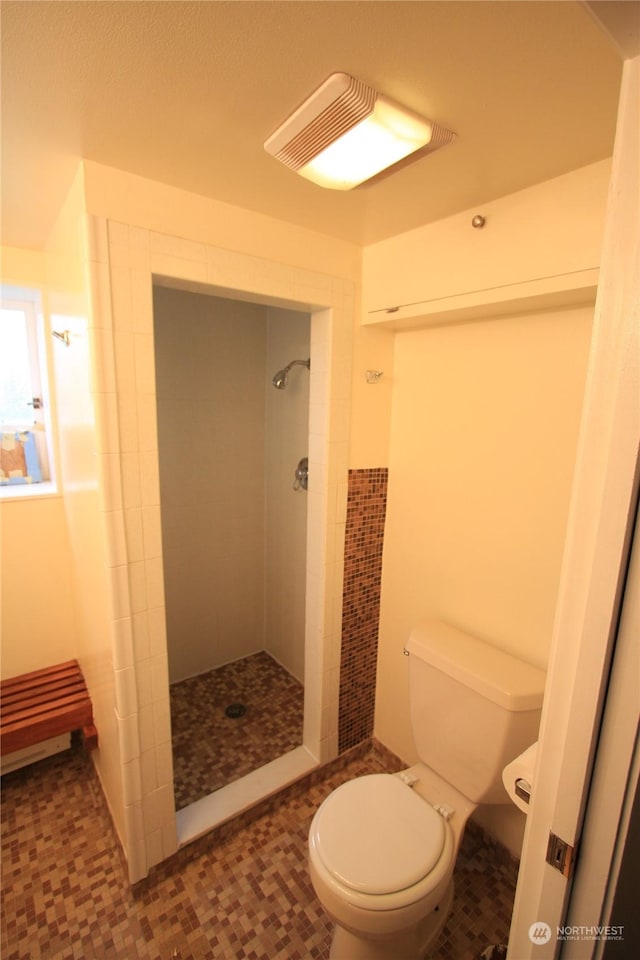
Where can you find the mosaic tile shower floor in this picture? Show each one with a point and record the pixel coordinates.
(211, 749)
(65, 894)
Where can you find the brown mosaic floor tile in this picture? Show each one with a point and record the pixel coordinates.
(210, 748)
(65, 894)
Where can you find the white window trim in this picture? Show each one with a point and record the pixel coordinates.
(29, 300)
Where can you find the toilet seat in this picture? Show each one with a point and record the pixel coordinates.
(379, 841)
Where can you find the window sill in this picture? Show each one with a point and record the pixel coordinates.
(29, 491)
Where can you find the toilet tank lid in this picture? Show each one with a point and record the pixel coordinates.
(507, 681)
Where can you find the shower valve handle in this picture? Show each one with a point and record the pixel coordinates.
(302, 475)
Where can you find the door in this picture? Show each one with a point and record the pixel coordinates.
(602, 914)
(595, 566)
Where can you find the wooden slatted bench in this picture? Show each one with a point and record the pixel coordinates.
(43, 704)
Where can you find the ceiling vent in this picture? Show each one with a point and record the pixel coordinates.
(346, 133)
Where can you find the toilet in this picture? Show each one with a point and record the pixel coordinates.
(382, 848)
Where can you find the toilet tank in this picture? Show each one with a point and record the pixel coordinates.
(474, 708)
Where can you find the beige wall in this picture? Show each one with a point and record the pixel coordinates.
(127, 198)
(370, 412)
(484, 432)
(485, 422)
(532, 241)
(210, 368)
(36, 599)
(19, 266)
(36, 628)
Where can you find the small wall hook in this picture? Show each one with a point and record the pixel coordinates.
(374, 376)
(65, 336)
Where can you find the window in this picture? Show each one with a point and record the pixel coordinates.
(24, 453)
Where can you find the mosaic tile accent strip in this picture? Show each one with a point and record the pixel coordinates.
(211, 748)
(366, 509)
(65, 892)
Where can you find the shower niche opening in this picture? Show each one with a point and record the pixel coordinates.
(234, 531)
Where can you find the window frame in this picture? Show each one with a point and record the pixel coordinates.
(28, 300)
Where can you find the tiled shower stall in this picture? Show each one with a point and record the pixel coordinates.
(125, 262)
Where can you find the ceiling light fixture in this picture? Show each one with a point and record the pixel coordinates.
(346, 132)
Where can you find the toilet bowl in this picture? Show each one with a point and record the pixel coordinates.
(382, 848)
(381, 861)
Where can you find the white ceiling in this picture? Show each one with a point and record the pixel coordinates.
(186, 93)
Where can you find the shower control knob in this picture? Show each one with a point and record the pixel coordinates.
(302, 475)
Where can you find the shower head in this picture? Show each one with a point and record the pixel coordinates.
(280, 378)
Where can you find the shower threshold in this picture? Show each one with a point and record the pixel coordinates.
(230, 801)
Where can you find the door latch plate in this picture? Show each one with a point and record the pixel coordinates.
(560, 855)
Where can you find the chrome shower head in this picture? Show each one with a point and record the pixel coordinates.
(280, 378)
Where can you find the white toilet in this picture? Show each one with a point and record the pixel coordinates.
(382, 848)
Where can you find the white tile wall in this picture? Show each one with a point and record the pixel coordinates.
(123, 261)
(123, 648)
